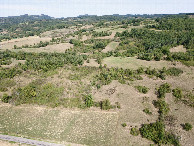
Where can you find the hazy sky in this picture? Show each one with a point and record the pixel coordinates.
(69, 8)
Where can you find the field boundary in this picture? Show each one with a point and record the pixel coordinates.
(27, 141)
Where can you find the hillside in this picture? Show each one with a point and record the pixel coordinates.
(98, 80)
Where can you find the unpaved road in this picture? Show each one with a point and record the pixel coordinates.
(27, 141)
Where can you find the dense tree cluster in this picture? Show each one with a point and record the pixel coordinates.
(45, 61)
(153, 44)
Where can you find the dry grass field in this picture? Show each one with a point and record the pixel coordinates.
(84, 127)
(110, 47)
(60, 48)
(22, 41)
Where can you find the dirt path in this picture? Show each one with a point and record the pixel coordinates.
(27, 141)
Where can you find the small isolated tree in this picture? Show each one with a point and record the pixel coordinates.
(135, 131)
(177, 93)
(15, 47)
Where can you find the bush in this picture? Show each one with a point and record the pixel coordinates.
(147, 111)
(163, 89)
(6, 98)
(3, 89)
(174, 71)
(89, 101)
(124, 124)
(177, 93)
(105, 104)
(140, 70)
(163, 107)
(187, 126)
(134, 131)
(142, 89)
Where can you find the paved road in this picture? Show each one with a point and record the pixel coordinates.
(27, 141)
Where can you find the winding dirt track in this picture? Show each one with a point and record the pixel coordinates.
(27, 141)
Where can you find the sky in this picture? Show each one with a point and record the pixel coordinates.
(73, 8)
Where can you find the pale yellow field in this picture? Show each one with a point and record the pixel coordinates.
(110, 47)
(62, 125)
(22, 41)
(61, 48)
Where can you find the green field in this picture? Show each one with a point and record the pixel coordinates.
(133, 63)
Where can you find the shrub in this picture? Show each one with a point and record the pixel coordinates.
(89, 101)
(134, 131)
(140, 70)
(142, 89)
(177, 93)
(6, 98)
(174, 71)
(163, 107)
(98, 86)
(147, 111)
(187, 126)
(163, 89)
(3, 89)
(189, 99)
(158, 56)
(105, 104)
(124, 124)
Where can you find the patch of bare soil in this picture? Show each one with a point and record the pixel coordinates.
(87, 26)
(84, 38)
(178, 49)
(185, 80)
(91, 63)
